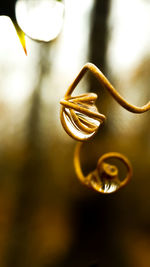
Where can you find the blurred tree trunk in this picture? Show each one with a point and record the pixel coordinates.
(98, 48)
(29, 178)
(98, 36)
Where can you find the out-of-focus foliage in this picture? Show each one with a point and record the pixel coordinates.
(47, 218)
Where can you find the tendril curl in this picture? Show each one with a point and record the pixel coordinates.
(81, 119)
(79, 116)
(105, 178)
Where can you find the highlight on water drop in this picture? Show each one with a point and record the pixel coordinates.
(80, 117)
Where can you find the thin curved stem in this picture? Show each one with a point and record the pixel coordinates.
(83, 110)
(106, 84)
(77, 163)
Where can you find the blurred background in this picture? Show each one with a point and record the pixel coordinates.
(47, 218)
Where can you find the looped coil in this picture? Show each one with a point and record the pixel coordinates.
(105, 178)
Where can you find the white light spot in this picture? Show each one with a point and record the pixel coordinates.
(40, 20)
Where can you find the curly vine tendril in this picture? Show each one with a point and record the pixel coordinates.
(81, 120)
(104, 178)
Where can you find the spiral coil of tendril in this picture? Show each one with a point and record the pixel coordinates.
(80, 119)
(105, 178)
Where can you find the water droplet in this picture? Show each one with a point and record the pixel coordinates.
(40, 20)
(80, 117)
(82, 126)
(103, 184)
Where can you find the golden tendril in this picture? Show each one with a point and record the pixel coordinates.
(79, 115)
(105, 178)
(81, 119)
